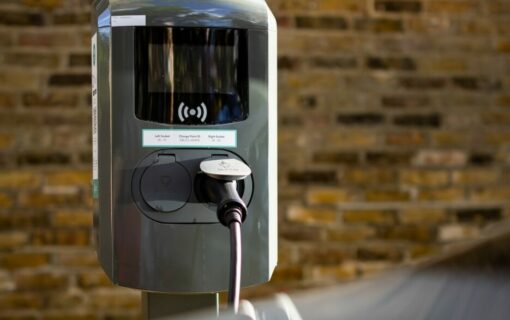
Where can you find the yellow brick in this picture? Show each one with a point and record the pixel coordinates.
(19, 179)
(92, 279)
(328, 196)
(410, 138)
(89, 201)
(6, 284)
(350, 139)
(456, 6)
(77, 259)
(23, 260)
(496, 193)
(502, 26)
(504, 101)
(21, 301)
(41, 281)
(379, 251)
(322, 80)
(345, 271)
(454, 232)
(6, 140)
(46, 4)
(410, 233)
(290, 5)
(474, 27)
(386, 196)
(5, 201)
(496, 138)
(373, 268)
(10, 240)
(292, 41)
(475, 176)
(71, 177)
(322, 255)
(311, 215)
(443, 65)
(421, 251)
(450, 138)
(44, 200)
(285, 253)
(71, 312)
(72, 219)
(291, 192)
(422, 216)
(369, 216)
(71, 299)
(7, 100)
(440, 158)
(61, 237)
(496, 118)
(18, 80)
(342, 5)
(322, 5)
(424, 178)
(286, 274)
(445, 194)
(366, 176)
(499, 7)
(425, 25)
(350, 234)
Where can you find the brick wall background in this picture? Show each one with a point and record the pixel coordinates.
(394, 144)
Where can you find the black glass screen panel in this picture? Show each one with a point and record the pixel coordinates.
(191, 75)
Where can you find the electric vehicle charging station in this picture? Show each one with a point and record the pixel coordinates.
(184, 140)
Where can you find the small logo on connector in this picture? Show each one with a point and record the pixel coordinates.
(224, 164)
(199, 112)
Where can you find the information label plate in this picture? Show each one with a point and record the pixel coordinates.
(189, 138)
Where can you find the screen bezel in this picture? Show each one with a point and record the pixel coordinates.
(222, 108)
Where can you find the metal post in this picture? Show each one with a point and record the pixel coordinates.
(162, 306)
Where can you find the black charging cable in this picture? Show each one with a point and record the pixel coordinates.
(236, 253)
(231, 212)
(220, 186)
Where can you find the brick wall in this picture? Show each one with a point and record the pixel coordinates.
(48, 268)
(394, 144)
(394, 132)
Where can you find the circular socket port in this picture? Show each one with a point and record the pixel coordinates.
(166, 185)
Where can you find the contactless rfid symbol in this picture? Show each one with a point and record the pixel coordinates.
(199, 112)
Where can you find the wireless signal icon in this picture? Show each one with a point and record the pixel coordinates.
(199, 112)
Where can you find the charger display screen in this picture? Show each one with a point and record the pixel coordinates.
(191, 75)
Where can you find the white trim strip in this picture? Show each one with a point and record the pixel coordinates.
(273, 140)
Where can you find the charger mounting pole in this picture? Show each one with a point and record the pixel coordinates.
(162, 306)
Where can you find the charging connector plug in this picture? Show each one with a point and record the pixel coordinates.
(224, 194)
(220, 187)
